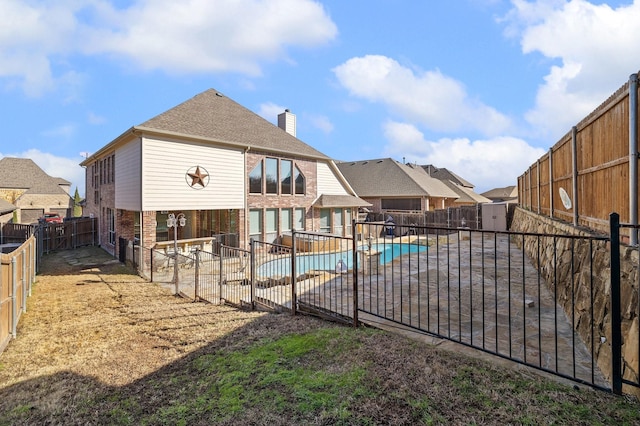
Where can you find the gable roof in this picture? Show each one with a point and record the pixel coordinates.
(212, 117)
(445, 174)
(389, 178)
(466, 194)
(23, 173)
(506, 193)
(329, 200)
(6, 207)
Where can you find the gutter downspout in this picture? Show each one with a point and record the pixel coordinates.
(633, 156)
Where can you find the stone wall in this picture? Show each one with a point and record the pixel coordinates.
(580, 269)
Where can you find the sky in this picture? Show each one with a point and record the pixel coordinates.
(481, 87)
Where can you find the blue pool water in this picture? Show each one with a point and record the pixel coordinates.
(328, 261)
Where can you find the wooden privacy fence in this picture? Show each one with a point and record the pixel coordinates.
(17, 273)
(68, 235)
(463, 216)
(592, 170)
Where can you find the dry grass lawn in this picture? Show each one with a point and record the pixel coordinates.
(99, 345)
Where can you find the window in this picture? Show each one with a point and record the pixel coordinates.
(274, 176)
(271, 224)
(113, 168)
(255, 224)
(325, 220)
(136, 227)
(338, 221)
(299, 179)
(255, 179)
(111, 225)
(285, 176)
(271, 176)
(298, 223)
(285, 220)
(95, 168)
(162, 231)
(348, 221)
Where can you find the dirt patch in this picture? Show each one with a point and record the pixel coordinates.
(97, 319)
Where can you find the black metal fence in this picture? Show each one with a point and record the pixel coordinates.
(536, 299)
(480, 289)
(625, 311)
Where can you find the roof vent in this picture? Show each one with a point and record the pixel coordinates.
(218, 94)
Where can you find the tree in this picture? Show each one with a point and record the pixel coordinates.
(77, 208)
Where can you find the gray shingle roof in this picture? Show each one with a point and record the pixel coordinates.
(23, 173)
(444, 174)
(506, 193)
(213, 116)
(6, 207)
(389, 178)
(466, 194)
(328, 200)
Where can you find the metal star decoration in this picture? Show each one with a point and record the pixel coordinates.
(198, 177)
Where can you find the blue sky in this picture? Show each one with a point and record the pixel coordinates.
(481, 87)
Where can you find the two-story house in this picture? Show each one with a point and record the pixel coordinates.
(31, 191)
(223, 167)
(390, 185)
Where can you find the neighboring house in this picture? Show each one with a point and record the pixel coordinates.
(466, 194)
(462, 187)
(390, 185)
(32, 191)
(507, 194)
(228, 170)
(6, 211)
(444, 175)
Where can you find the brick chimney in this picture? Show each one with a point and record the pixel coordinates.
(287, 122)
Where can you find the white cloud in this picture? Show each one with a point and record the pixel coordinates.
(176, 37)
(95, 119)
(64, 131)
(206, 36)
(30, 35)
(62, 167)
(596, 48)
(270, 111)
(488, 163)
(430, 98)
(321, 122)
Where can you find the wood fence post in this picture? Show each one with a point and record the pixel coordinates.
(14, 299)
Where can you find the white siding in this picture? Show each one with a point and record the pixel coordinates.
(128, 183)
(166, 185)
(328, 182)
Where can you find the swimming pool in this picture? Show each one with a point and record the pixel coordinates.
(328, 261)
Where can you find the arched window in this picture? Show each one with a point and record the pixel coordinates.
(300, 181)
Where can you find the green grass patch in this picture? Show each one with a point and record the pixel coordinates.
(285, 375)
